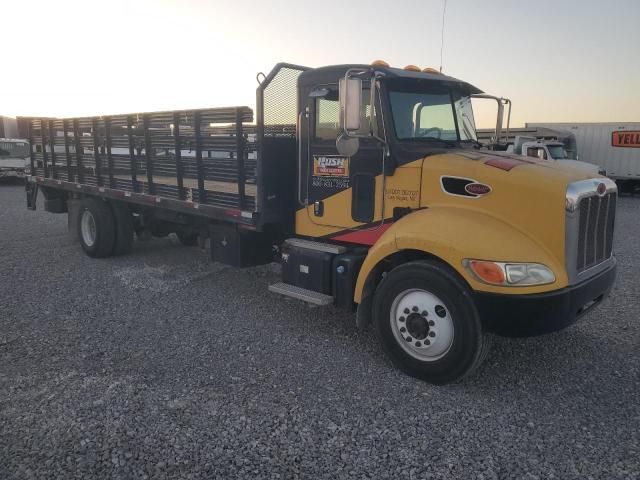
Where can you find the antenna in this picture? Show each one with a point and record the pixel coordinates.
(444, 10)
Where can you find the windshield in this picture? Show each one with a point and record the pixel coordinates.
(14, 149)
(557, 152)
(433, 113)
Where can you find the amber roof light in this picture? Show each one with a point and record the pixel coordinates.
(412, 68)
(431, 70)
(380, 63)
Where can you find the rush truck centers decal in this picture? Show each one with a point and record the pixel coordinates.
(330, 166)
(626, 139)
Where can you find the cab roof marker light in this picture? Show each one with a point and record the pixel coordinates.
(412, 68)
(379, 63)
(431, 70)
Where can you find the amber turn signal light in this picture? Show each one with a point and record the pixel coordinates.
(488, 272)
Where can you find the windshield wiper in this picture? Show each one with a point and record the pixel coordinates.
(447, 143)
(475, 143)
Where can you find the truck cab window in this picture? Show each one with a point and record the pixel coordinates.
(557, 152)
(327, 118)
(436, 120)
(537, 152)
(327, 115)
(423, 115)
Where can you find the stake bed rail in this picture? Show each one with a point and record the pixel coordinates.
(199, 161)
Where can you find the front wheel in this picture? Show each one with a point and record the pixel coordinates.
(427, 323)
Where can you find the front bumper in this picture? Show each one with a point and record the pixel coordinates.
(14, 173)
(530, 315)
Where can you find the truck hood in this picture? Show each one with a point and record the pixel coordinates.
(570, 163)
(525, 193)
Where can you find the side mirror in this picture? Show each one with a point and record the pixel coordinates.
(350, 104)
(347, 146)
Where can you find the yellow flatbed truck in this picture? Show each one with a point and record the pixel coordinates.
(369, 185)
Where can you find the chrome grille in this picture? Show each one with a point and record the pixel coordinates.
(595, 234)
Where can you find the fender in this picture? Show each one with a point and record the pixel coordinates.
(454, 233)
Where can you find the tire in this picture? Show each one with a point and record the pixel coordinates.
(187, 239)
(443, 341)
(96, 228)
(123, 243)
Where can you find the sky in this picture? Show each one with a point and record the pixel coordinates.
(563, 60)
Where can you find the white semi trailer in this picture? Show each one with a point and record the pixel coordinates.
(613, 146)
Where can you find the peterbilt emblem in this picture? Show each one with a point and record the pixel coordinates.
(601, 189)
(463, 187)
(477, 189)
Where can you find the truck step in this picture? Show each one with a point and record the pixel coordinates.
(317, 246)
(308, 296)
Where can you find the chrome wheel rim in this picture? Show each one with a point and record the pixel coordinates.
(422, 324)
(88, 228)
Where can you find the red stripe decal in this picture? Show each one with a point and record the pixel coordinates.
(505, 164)
(364, 237)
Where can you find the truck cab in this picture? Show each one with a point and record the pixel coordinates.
(553, 151)
(13, 157)
(406, 215)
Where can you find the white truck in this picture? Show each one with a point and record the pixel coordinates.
(614, 146)
(541, 142)
(14, 154)
(553, 150)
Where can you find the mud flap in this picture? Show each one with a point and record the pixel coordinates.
(32, 194)
(73, 213)
(363, 313)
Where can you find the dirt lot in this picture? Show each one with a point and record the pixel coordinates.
(162, 364)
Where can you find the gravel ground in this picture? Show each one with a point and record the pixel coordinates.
(162, 364)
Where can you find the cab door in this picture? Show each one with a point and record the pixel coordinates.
(342, 191)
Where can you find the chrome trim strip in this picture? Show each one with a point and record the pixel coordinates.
(586, 237)
(316, 246)
(606, 223)
(576, 191)
(595, 233)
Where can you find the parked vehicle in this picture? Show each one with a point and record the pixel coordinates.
(543, 143)
(613, 146)
(552, 150)
(369, 182)
(14, 154)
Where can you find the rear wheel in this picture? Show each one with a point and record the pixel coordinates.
(426, 321)
(96, 228)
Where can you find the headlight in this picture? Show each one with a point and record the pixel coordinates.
(510, 274)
